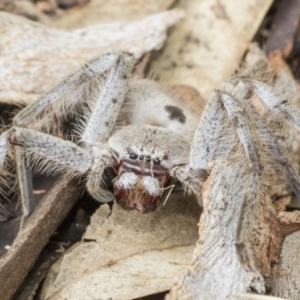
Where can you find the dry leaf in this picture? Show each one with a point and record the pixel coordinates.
(217, 267)
(146, 250)
(206, 48)
(35, 58)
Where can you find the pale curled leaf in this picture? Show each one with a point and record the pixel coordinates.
(284, 79)
(206, 48)
(108, 11)
(34, 58)
(129, 278)
(217, 266)
(147, 250)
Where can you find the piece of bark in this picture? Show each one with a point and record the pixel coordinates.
(30, 285)
(285, 28)
(34, 58)
(69, 232)
(10, 227)
(206, 47)
(219, 270)
(19, 259)
(146, 250)
(285, 279)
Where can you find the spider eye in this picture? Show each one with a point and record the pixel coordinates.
(157, 161)
(148, 158)
(133, 155)
(141, 157)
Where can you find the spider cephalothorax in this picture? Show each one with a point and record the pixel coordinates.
(144, 160)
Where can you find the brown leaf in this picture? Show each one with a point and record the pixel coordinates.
(146, 250)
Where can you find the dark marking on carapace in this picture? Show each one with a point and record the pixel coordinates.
(175, 113)
(113, 100)
(281, 103)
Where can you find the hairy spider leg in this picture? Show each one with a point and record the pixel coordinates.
(276, 103)
(245, 131)
(104, 105)
(68, 93)
(204, 141)
(101, 122)
(106, 110)
(203, 146)
(4, 144)
(26, 189)
(4, 174)
(281, 108)
(235, 138)
(58, 155)
(260, 148)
